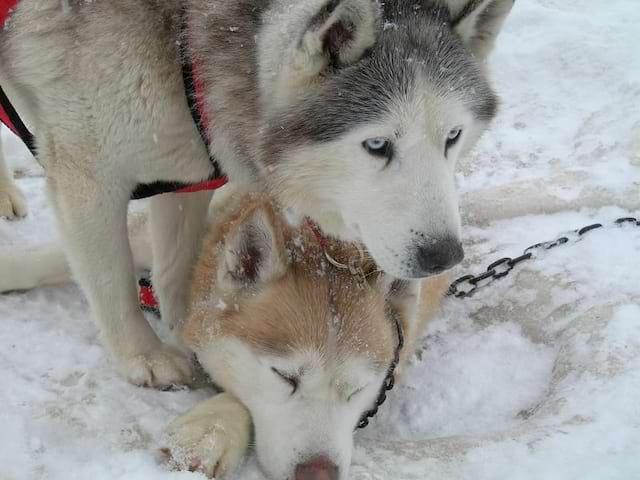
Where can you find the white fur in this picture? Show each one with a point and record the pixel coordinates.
(176, 240)
(212, 438)
(12, 201)
(92, 172)
(24, 270)
(47, 265)
(366, 192)
(318, 420)
(481, 38)
(108, 108)
(386, 209)
(292, 58)
(215, 435)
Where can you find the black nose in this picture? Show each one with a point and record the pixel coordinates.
(438, 255)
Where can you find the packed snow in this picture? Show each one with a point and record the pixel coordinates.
(535, 377)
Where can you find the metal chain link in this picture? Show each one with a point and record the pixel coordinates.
(389, 381)
(468, 285)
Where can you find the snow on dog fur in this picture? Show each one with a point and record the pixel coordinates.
(534, 377)
(353, 112)
(300, 346)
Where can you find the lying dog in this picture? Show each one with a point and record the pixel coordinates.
(300, 342)
(352, 112)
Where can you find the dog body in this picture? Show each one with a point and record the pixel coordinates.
(300, 345)
(352, 112)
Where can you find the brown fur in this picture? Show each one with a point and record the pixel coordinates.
(308, 303)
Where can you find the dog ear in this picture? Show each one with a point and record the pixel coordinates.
(253, 253)
(339, 34)
(478, 23)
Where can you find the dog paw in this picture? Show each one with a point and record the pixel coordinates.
(211, 439)
(12, 203)
(164, 369)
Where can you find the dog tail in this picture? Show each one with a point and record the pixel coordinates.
(27, 269)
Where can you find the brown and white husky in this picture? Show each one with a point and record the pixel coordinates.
(298, 332)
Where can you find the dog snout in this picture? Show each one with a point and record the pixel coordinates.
(319, 468)
(439, 255)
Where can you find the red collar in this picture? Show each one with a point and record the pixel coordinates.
(317, 232)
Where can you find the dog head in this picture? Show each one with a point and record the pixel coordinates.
(303, 344)
(368, 105)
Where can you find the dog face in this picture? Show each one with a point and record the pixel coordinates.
(369, 108)
(305, 346)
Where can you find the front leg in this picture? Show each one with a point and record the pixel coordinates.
(178, 222)
(212, 438)
(93, 224)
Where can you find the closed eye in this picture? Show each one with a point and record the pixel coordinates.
(291, 380)
(355, 393)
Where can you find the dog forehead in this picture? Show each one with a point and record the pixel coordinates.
(434, 60)
(417, 52)
(345, 371)
(313, 311)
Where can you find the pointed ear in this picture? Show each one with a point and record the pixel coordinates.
(479, 22)
(339, 34)
(253, 252)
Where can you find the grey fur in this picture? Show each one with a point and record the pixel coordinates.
(418, 41)
(293, 89)
(417, 38)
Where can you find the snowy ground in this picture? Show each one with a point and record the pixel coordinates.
(536, 377)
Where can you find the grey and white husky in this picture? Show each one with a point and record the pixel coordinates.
(351, 112)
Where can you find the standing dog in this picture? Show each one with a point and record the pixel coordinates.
(352, 112)
(300, 344)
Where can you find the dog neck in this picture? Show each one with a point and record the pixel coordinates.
(326, 223)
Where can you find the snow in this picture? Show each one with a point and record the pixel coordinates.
(536, 377)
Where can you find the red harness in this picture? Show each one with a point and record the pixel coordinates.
(8, 115)
(6, 6)
(197, 103)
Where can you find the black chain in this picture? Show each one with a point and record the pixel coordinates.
(468, 285)
(389, 380)
(498, 269)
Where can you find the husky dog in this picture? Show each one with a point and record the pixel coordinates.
(299, 345)
(351, 112)
(12, 201)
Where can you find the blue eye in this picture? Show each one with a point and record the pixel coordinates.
(379, 147)
(452, 138)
